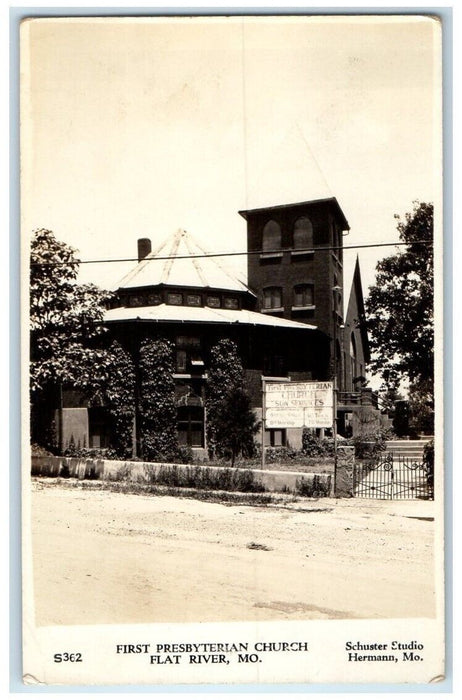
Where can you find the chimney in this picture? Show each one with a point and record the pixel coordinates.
(144, 248)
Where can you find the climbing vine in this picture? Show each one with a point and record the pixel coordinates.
(231, 422)
(159, 440)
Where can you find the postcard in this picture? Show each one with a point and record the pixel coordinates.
(232, 342)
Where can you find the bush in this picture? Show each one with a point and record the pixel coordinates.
(370, 445)
(313, 446)
(184, 454)
(280, 454)
(231, 421)
(429, 454)
(90, 452)
(429, 461)
(316, 487)
(39, 451)
(207, 479)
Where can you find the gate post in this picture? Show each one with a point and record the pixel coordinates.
(345, 472)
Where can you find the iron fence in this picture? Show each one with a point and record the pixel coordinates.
(393, 476)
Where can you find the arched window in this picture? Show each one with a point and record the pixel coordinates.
(337, 296)
(303, 233)
(271, 236)
(338, 362)
(353, 356)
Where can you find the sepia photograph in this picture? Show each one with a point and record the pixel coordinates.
(232, 342)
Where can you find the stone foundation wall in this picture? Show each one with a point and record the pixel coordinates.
(345, 469)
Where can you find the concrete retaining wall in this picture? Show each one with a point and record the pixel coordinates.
(143, 472)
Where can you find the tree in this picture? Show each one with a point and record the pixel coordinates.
(231, 422)
(399, 307)
(64, 316)
(421, 407)
(69, 346)
(235, 424)
(159, 439)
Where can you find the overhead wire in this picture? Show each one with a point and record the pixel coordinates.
(299, 251)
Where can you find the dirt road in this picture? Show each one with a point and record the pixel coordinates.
(102, 557)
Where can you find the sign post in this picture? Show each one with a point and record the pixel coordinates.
(287, 404)
(263, 420)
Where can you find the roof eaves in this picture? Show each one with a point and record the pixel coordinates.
(333, 200)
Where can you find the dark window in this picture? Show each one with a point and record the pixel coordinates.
(175, 299)
(272, 298)
(353, 356)
(274, 365)
(188, 341)
(191, 425)
(194, 300)
(214, 302)
(135, 300)
(304, 295)
(337, 296)
(303, 233)
(338, 364)
(231, 303)
(188, 354)
(181, 361)
(337, 241)
(272, 236)
(154, 299)
(98, 427)
(275, 437)
(335, 236)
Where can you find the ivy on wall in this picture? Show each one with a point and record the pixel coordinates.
(110, 383)
(158, 435)
(231, 422)
(120, 401)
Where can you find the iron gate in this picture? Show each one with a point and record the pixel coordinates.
(393, 477)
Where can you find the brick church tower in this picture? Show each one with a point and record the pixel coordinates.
(295, 265)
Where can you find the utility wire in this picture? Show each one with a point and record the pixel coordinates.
(279, 251)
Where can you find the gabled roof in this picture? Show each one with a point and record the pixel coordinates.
(181, 261)
(188, 314)
(357, 292)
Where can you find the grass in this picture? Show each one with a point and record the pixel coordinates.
(226, 479)
(314, 488)
(301, 463)
(204, 478)
(199, 479)
(227, 497)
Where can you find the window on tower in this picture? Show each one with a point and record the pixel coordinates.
(272, 298)
(272, 237)
(353, 360)
(303, 234)
(303, 296)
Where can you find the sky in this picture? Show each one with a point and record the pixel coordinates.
(135, 128)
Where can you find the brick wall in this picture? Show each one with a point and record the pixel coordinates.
(288, 270)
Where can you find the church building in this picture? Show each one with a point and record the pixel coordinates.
(287, 319)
